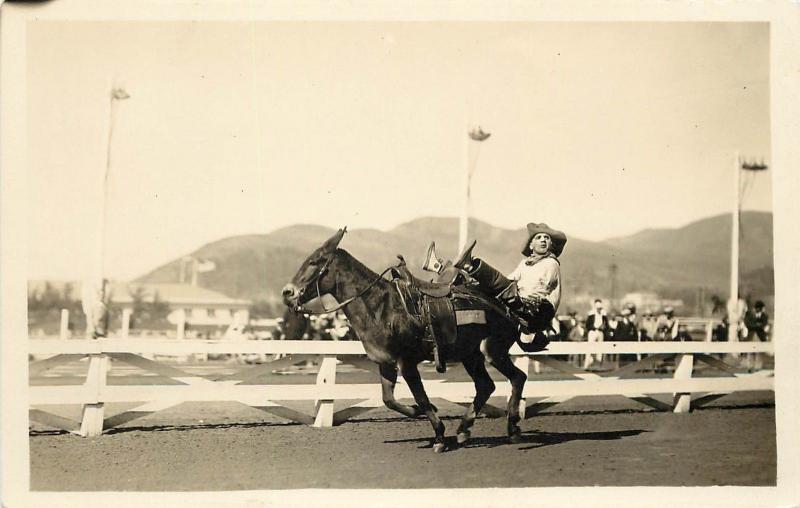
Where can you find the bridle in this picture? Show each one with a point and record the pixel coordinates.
(315, 280)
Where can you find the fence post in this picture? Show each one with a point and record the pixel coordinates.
(325, 377)
(92, 419)
(63, 331)
(523, 363)
(709, 330)
(684, 364)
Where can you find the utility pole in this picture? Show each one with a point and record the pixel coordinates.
(95, 291)
(475, 136)
(733, 300)
(117, 94)
(612, 272)
(194, 271)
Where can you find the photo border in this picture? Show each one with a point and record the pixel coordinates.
(784, 117)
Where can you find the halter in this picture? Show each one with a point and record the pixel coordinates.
(315, 280)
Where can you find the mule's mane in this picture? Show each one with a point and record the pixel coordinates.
(358, 268)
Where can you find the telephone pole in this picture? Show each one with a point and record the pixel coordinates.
(733, 300)
(475, 136)
(612, 273)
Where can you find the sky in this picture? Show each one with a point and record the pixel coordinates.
(599, 129)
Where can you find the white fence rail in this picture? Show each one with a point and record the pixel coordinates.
(94, 393)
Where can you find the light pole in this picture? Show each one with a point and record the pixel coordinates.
(733, 301)
(95, 293)
(117, 94)
(475, 136)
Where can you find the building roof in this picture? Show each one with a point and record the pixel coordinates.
(171, 293)
(175, 294)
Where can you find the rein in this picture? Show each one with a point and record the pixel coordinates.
(306, 310)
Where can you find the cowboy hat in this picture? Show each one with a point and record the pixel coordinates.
(558, 237)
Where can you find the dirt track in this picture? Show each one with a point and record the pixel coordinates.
(597, 441)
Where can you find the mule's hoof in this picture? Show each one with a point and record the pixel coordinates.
(462, 437)
(515, 438)
(438, 447)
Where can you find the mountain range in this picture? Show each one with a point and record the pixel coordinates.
(672, 262)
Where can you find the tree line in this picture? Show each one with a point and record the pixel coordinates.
(45, 305)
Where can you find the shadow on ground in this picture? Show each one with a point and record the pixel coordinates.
(536, 439)
(486, 442)
(173, 428)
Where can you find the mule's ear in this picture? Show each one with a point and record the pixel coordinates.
(333, 242)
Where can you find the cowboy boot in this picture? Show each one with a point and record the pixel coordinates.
(446, 272)
(433, 263)
(490, 280)
(465, 261)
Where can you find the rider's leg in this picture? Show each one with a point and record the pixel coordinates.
(490, 280)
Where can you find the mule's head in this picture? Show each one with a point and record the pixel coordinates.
(313, 279)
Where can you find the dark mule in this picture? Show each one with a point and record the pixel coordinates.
(393, 338)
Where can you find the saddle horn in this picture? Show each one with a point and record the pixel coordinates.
(433, 263)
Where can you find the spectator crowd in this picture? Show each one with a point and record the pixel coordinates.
(625, 325)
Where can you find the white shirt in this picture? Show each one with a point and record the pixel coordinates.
(542, 279)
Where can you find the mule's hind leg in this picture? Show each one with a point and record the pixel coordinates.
(484, 386)
(388, 380)
(502, 362)
(414, 381)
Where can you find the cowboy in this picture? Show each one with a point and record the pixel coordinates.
(533, 290)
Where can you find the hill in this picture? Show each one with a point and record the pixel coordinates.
(674, 262)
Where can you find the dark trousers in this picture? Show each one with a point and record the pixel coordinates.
(538, 314)
(490, 280)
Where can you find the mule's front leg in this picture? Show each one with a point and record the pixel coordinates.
(414, 381)
(388, 381)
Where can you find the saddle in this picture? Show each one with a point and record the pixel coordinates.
(430, 288)
(432, 302)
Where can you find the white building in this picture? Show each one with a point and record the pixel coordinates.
(651, 301)
(198, 306)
